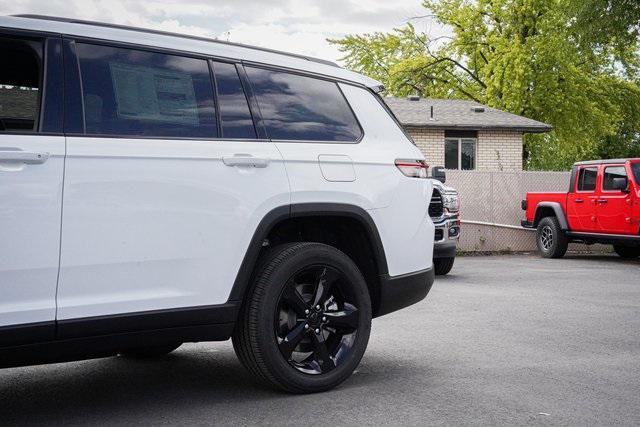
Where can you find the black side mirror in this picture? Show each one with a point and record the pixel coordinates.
(621, 184)
(439, 174)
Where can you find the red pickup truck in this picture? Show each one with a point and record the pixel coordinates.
(602, 206)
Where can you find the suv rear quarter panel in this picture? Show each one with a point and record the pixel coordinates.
(397, 204)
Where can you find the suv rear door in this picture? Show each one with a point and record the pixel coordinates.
(32, 149)
(614, 206)
(582, 201)
(164, 189)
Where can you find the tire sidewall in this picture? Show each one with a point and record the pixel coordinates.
(316, 254)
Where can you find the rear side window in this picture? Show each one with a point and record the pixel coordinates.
(131, 92)
(610, 173)
(587, 179)
(20, 85)
(302, 108)
(235, 116)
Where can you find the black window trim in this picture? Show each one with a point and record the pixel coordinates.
(43, 37)
(73, 90)
(247, 95)
(216, 103)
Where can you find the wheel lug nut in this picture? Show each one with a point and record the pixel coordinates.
(318, 307)
(306, 326)
(306, 311)
(317, 331)
(324, 319)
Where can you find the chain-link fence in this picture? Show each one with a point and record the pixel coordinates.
(491, 212)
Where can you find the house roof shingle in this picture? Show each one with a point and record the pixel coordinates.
(459, 114)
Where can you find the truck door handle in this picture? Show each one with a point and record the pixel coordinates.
(29, 158)
(578, 200)
(602, 201)
(245, 160)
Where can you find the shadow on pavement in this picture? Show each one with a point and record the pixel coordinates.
(113, 389)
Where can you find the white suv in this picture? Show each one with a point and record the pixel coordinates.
(157, 189)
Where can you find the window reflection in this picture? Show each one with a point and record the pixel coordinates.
(235, 116)
(297, 107)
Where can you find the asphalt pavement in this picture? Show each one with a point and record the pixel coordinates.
(502, 340)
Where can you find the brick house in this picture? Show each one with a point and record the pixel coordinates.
(464, 134)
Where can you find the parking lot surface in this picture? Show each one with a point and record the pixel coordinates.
(502, 340)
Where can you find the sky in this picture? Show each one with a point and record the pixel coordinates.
(298, 26)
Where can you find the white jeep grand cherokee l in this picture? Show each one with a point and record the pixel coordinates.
(157, 189)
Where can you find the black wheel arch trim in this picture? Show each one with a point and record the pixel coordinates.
(279, 214)
(557, 209)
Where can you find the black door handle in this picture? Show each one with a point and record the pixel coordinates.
(578, 200)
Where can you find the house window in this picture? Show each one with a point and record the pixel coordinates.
(460, 153)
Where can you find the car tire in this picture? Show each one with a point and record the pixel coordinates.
(627, 252)
(284, 339)
(443, 266)
(551, 240)
(151, 352)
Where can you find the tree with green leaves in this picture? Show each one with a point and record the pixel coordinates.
(571, 63)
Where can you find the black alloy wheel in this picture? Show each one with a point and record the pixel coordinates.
(316, 320)
(305, 322)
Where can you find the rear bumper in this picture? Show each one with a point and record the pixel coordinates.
(402, 291)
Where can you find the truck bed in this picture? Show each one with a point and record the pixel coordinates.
(533, 199)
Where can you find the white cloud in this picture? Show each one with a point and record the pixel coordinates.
(300, 26)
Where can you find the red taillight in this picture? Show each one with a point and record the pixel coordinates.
(413, 168)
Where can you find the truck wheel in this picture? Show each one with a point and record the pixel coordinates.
(552, 242)
(149, 352)
(627, 252)
(443, 266)
(305, 324)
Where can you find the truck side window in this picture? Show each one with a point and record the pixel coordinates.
(610, 173)
(20, 87)
(587, 179)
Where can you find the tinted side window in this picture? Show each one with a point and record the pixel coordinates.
(610, 173)
(131, 92)
(235, 116)
(587, 179)
(303, 108)
(20, 84)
